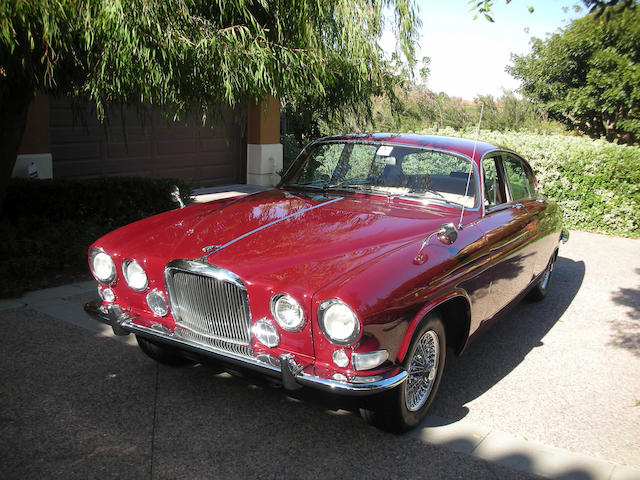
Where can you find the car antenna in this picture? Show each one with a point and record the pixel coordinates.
(475, 144)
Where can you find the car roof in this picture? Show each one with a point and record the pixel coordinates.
(462, 146)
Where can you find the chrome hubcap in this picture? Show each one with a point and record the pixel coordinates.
(422, 371)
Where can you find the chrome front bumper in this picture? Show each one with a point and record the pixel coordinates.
(292, 374)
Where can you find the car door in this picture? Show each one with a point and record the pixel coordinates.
(523, 191)
(508, 226)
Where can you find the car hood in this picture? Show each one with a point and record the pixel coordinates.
(281, 237)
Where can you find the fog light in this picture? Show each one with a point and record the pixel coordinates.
(369, 360)
(340, 358)
(266, 333)
(157, 303)
(339, 377)
(106, 294)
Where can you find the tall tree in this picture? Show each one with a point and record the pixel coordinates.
(597, 7)
(187, 56)
(587, 76)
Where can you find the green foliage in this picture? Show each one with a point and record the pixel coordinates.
(188, 55)
(484, 8)
(47, 226)
(418, 108)
(588, 75)
(196, 56)
(596, 183)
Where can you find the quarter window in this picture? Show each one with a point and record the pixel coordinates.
(518, 178)
(493, 191)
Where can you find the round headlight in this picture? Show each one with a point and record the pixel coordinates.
(102, 266)
(287, 312)
(338, 322)
(135, 275)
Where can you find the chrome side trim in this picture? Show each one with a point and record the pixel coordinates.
(267, 225)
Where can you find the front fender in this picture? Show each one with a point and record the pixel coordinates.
(393, 293)
(431, 306)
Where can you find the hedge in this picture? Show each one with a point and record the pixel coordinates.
(46, 226)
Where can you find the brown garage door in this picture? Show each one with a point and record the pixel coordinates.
(82, 147)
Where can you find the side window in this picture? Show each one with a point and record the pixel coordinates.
(530, 182)
(493, 188)
(517, 177)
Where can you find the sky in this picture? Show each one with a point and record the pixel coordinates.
(468, 57)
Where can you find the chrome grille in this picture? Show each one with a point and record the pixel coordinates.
(209, 305)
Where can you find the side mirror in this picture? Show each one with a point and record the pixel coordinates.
(175, 196)
(447, 233)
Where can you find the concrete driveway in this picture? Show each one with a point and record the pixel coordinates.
(552, 390)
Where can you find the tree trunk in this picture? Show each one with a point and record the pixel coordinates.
(13, 118)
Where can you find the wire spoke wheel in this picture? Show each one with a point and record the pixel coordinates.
(404, 407)
(422, 371)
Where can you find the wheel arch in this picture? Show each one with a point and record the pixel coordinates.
(455, 311)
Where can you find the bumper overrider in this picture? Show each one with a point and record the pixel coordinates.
(291, 374)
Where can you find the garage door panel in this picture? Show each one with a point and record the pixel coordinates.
(82, 147)
(131, 150)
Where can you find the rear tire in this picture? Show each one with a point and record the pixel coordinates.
(540, 290)
(162, 354)
(404, 407)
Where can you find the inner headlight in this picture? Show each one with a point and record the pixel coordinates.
(338, 322)
(102, 266)
(135, 275)
(287, 312)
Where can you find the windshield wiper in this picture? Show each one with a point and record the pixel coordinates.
(355, 186)
(434, 193)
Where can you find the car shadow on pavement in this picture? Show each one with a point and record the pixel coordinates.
(503, 347)
(627, 329)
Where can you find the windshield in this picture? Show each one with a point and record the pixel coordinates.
(386, 169)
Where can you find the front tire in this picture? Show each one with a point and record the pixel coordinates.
(162, 354)
(404, 407)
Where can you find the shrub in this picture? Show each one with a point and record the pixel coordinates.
(47, 225)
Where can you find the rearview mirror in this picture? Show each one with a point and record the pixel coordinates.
(447, 233)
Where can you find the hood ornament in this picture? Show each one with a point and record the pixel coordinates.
(211, 249)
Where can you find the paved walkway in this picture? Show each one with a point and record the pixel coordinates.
(552, 390)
